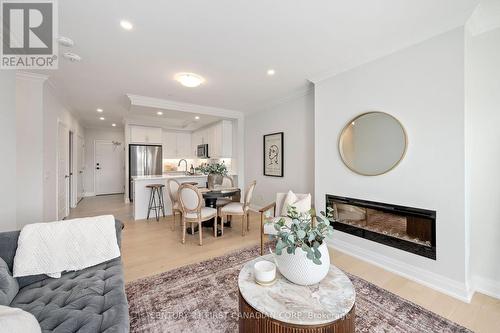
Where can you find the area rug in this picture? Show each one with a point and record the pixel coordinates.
(204, 298)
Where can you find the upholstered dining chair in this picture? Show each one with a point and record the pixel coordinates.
(239, 209)
(173, 188)
(267, 222)
(227, 182)
(191, 201)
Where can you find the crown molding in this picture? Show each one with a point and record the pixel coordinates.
(166, 104)
(32, 76)
(284, 99)
(486, 17)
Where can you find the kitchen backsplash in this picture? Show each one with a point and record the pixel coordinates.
(170, 165)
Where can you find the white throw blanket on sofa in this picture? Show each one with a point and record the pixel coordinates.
(54, 247)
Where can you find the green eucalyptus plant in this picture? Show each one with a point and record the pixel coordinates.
(302, 234)
(213, 169)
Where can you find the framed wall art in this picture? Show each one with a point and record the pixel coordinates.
(273, 154)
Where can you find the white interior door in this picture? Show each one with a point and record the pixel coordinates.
(62, 171)
(109, 167)
(80, 167)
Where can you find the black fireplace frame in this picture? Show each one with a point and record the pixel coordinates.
(408, 246)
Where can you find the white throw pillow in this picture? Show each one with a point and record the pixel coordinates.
(15, 320)
(303, 205)
(289, 200)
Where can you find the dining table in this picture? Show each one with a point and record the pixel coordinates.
(210, 196)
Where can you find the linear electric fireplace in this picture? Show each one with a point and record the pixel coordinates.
(406, 228)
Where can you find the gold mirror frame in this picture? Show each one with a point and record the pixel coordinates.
(342, 157)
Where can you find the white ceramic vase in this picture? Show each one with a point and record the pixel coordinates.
(300, 270)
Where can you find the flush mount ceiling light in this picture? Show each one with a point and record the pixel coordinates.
(99, 110)
(126, 25)
(114, 125)
(159, 113)
(189, 80)
(271, 72)
(102, 118)
(197, 118)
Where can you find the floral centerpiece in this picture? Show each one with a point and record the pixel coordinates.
(215, 172)
(301, 252)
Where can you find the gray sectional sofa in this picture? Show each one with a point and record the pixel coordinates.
(86, 301)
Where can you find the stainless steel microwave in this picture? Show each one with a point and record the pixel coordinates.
(202, 151)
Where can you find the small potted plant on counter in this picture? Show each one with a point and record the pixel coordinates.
(215, 172)
(301, 252)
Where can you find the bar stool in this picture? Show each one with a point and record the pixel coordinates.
(156, 202)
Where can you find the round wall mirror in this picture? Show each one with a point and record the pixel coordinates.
(373, 143)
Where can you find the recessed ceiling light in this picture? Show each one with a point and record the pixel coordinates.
(114, 125)
(197, 118)
(159, 113)
(102, 118)
(99, 110)
(190, 80)
(126, 25)
(271, 72)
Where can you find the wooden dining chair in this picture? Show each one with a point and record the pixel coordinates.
(173, 192)
(191, 201)
(227, 182)
(239, 209)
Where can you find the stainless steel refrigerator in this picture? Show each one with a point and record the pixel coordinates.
(143, 161)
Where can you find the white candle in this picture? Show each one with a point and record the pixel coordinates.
(264, 271)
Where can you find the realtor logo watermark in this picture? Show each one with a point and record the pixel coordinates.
(29, 31)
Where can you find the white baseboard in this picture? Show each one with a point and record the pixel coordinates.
(487, 286)
(89, 194)
(432, 280)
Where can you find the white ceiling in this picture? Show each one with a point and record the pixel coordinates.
(231, 43)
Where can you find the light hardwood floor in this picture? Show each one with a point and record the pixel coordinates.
(151, 247)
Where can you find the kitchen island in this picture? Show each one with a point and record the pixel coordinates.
(141, 193)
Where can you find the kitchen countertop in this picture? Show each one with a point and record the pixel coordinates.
(168, 176)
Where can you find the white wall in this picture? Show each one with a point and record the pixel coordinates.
(54, 111)
(423, 87)
(8, 150)
(294, 118)
(29, 145)
(92, 134)
(483, 114)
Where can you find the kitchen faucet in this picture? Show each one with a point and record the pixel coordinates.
(186, 164)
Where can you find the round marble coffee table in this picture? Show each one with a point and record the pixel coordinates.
(286, 307)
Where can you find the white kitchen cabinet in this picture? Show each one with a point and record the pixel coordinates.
(222, 139)
(184, 145)
(219, 138)
(169, 144)
(195, 141)
(177, 145)
(145, 135)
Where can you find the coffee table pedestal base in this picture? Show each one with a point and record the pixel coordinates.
(253, 321)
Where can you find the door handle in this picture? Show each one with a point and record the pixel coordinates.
(66, 176)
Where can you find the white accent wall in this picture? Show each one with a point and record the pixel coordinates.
(54, 111)
(423, 87)
(29, 145)
(295, 118)
(92, 134)
(483, 115)
(8, 188)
